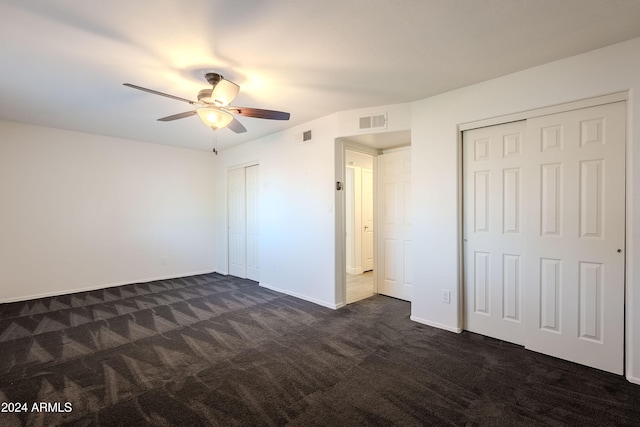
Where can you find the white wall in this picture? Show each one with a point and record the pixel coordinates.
(296, 216)
(435, 149)
(81, 211)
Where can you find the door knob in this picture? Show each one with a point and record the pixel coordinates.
(619, 251)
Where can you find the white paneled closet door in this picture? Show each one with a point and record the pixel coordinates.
(544, 224)
(394, 268)
(577, 227)
(244, 232)
(252, 175)
(237, 222)
(493, 230)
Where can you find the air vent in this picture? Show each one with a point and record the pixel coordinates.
(303, 137)
(378, 121)
(365, 122)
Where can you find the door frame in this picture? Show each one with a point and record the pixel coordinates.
(559, 108)
(341, 219)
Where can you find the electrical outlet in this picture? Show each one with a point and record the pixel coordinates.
(446, 296)
(163, 260)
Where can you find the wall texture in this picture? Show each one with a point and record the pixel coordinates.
(81, 211)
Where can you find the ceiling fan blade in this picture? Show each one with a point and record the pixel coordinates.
(178, 116)
(236, 126)
(259, 113)
(155, 92)
(224, 92)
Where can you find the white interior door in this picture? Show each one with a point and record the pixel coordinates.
(576, 273)
(367, 219)
(543, 226)
(252, 175)
(244, 230)
(493, 230)
(237, 222)
(394, 268)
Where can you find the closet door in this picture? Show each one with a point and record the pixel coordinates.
(244, 230)
(576, 237)
(237, 222)
(252, 175)
(494, 238)
(544, 227)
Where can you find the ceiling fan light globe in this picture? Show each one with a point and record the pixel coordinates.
(224, 92)
(214, 117)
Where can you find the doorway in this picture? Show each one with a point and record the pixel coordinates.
(391, 195)
(360, 225)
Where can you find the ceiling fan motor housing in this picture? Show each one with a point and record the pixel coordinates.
(213, 78)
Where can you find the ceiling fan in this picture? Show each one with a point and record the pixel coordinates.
(213, 105)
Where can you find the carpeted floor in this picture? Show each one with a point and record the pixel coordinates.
(216, 350)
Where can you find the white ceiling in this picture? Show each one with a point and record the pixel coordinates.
(382, 140)
(63, 62)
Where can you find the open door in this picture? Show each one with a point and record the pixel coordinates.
(395, 268)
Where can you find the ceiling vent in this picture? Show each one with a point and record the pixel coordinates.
(376, 122)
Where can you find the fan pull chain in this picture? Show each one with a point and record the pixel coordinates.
(215, 142)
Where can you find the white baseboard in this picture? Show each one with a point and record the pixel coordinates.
(633, 380)
(436, 324)
(304, 297)
(354, 270)
(100, 286)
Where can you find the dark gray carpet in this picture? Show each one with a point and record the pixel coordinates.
(216, 350)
